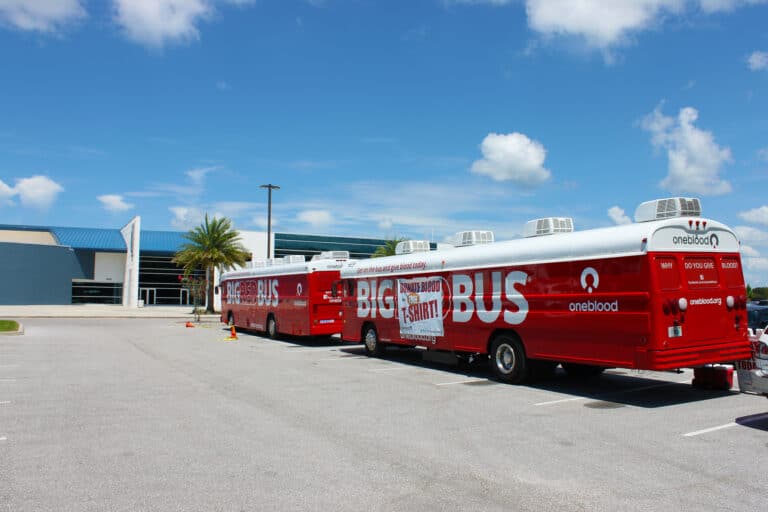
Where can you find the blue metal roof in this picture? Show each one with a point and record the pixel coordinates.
(90, 238)
(162, 241)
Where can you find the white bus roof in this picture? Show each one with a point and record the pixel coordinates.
(673, 235)
(306, 267)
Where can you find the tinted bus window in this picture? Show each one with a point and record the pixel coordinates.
(731, 272)
(700, 272)
(668, 272)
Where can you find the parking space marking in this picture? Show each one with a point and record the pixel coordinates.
(343, 358)
(318, 349)
(727, 425)
(395, 369)
(573, 399)
(465, 381)
(7, 380)
(707, 430)
(9, 366)
(5, 402)
(611, 393)
(3, 438)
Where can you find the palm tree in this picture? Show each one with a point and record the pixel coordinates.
(213, 244)
(388, 249)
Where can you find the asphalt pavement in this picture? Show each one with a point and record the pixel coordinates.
(146, 414)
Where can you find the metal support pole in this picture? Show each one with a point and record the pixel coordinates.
(270, 187)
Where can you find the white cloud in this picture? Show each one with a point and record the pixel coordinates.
(198, 175)
(695, 159)
(756, 215)
(618, 216)
(762, 154)
(512, 157)
(260, 222)
(114, 203)
(6, 194)
(186, 218)
(758, 61)
(751, 235)
(154, 23)
(710, 6)
(601, 24)
(37, 192)
(385, 224)
(756, 265)
(316, 218)
(749, 251)
(41, 15)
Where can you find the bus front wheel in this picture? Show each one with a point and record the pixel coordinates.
(507, 359)
(373, 347)
(271, 327)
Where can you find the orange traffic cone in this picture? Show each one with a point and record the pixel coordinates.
(190, 324)
(232, 333)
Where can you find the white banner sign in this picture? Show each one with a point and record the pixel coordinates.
(420, 306)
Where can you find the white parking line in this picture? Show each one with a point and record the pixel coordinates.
(611, 393)
(707, 430)
(3, 438)
(396, 369)
(318, 349)
(7, 380)
(466, 381)
(341, 358)
(727, 425)
(9, 366)
(5, 402)
(562, 401)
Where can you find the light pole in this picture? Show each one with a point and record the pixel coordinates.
(270, 187)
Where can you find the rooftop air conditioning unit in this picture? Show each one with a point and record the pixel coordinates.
(275, 261)
(294, 258)
(331, 255)
(668, 208)
(411, 246)
(466, 238)
(258, 263)
(548, 226)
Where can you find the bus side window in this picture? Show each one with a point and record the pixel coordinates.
(669, 275)
(349, 288)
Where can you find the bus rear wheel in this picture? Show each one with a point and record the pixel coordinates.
(507, 359)
(230, 319)
(271, 327)
(373, 347)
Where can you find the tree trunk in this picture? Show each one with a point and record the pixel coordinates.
(209, 273)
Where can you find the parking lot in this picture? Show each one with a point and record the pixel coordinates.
(145, 414)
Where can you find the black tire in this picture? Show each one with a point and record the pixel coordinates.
(373, 347)
(582, 371)
(272, 327)
(507, 359)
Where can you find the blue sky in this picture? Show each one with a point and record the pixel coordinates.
(384, 118)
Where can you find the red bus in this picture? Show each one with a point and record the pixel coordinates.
(665, 292)
(285, 296)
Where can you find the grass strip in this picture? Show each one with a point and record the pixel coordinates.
(8, 326)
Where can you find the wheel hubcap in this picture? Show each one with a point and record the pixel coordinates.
(370, 340)
(505, 358)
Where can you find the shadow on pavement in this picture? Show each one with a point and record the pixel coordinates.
(613, 389)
